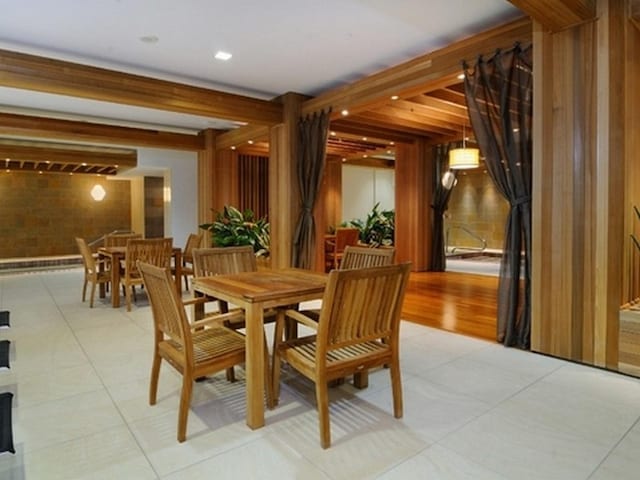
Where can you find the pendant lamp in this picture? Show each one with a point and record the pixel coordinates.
(464, 158)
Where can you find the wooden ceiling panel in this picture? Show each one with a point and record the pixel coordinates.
(556, 15)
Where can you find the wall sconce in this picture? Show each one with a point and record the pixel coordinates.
(98, 193)
(464, 158)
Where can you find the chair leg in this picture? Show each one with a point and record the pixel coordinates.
(93, 294)
(231, 375)
(275, 363)
(396, 388)
(155, 373)
(322, 398)
(84, 289)
(185, 402)
(128, 297)
(268, 383)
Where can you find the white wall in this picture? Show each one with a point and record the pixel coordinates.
(363, 187)
(180, 171)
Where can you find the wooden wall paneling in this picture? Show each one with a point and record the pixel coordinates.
(31, 72)
(542, 190)
(631, 267)
(253, 184)
(328, 210)
(413, 200)
(284, 192)
(610, 179)
(206, 165)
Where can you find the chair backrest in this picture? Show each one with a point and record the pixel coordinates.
(119, 239)
(361, 305)
(169, 316)
(87, 257)
(346, 236)
(156, 251)
(223, 260)
(193, 241)
(364, 257)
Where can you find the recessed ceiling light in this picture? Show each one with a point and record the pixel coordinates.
(394, 97)
(220, 55)
(344, 159)
(392, 143)
(345, 112)
(250, 142)
(149, 39)
(233, 147)
(461, 76)
(364, 139)
(333, 134)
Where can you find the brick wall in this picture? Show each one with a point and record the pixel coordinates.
(40, 215)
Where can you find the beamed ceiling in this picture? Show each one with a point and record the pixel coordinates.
(420, 98)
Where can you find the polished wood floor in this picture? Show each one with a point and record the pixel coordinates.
(458, 302)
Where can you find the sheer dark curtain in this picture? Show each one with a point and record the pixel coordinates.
(312, 141)
(442, 189)
(499, 97)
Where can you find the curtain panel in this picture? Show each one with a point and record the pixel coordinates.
(499, 97)
(312, 142)
(439, 205)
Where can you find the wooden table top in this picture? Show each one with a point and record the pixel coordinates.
(264, 285)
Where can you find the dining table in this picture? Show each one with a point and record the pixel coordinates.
(116, 256)
(255, 292)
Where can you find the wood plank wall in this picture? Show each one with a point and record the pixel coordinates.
(581, 158)
(253, 184)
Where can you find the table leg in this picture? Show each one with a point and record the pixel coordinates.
(115, 280)
(101, 259)
(255, 365)
(178, 269)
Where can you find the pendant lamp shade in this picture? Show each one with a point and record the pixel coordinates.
(464, 158)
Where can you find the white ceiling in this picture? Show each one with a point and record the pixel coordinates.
(305, 46)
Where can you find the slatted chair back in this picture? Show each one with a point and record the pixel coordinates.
(346, 236)
(88, 260)
(155, 251)
(361, 305)
(169, 317)
(365, 257)
(193, 241)
(223, 260)
(119, 239)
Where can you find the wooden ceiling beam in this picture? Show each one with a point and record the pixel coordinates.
(556, 15)
(42, 127)
(241, 136)
(348, 126)
(31, 72)
(415, 76)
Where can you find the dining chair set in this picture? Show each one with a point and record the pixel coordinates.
(356, 329)
(123, 251)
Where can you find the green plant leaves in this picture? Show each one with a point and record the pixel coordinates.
(235, 228)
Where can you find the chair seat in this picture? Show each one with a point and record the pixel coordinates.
(209, 345)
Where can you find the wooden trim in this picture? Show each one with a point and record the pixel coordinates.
(31, 72)
(418, 75)
(556, 15)
(41, 127)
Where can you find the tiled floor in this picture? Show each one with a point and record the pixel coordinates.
(473, 410)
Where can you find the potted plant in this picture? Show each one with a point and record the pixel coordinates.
(378, 229)
(233, 228)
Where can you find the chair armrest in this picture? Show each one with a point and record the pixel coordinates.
(300, 318)
(195, 301)
(218, 318)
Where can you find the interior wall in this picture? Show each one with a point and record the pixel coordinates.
(179, 169)
(40, 215)
(475, 206)
(363, 187)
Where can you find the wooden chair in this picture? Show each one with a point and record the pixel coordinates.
(194, 349)
(365, 257)
(193, 241)
(156, 251)
(95, 271)
(226, 261)
(358, 330)
(119, 239)
(334, 248)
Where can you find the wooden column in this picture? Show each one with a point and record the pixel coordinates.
(284, 192)
(413, 200)
(579, 186)
(328, 210)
